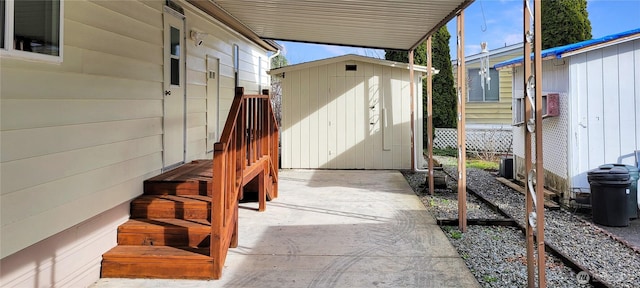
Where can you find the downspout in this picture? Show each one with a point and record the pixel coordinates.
(273, 56)
(270, 58)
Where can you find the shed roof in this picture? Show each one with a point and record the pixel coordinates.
(576, 48)
(384, 24)
(348, 57)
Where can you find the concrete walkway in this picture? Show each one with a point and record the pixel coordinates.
(335, 229)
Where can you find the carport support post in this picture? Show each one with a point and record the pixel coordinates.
(430, 114)
(534, 188)
(412, 95)
(462, 170)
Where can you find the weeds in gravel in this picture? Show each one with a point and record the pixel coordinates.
(489, 279)
(455, 234)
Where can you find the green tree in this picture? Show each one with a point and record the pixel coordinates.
(564, 22)
(444, 93)
(276, 87)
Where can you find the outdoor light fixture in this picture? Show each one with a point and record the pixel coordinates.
(197, 37)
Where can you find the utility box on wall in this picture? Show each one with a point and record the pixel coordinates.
(550, 105)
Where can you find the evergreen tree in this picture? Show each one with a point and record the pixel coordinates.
(564, 22)
(444, 93)
(276, 87)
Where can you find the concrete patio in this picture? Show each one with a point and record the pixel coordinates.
(335, 229)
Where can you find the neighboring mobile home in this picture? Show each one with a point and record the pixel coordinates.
(96, 97)
(350, 112)
(488, 106)
(598, 120)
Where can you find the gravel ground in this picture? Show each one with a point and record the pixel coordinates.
(603, 256)
(495, 255)
(608, 259)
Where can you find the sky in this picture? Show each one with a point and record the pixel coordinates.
(497, 22)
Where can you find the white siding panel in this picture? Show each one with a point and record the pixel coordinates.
(91, 38)
(69, 259)
(579, 93)
(611, 104)
(109, 20)
(595, 98)
(75, 162)
(306, 111)
(22, 114)
(628, 72)
(314, 117)
(18, 84)
(47, 196)
(636, 67)
(24, 143)
(323, 120)
(43, 225)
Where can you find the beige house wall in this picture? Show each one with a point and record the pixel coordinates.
(78, 138)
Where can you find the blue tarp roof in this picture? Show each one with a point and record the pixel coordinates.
(558, 51)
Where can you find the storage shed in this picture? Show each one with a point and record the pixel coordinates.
(350, 112)
(597, 83)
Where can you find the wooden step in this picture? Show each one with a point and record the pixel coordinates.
(165, 232)
(193, 178)
(157, 262)
(171, 206)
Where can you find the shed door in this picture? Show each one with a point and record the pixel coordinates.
(348, 123)
(174, 91)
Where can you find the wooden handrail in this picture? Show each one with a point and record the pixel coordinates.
(248, 148)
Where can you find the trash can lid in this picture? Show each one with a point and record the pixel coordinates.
(630, 168)
(608, 173)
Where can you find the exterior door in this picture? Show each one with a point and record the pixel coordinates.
(174, 91)
(213, 121)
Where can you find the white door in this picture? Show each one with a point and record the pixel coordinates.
(213, 121)
(174, 91)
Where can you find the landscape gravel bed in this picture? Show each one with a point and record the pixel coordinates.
(495, 255)
(608, 259)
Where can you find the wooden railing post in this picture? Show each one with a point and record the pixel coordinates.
(248, 142)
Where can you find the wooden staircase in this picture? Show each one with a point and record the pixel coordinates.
(169, 233)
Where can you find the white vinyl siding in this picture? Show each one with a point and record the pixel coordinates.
(79, 138)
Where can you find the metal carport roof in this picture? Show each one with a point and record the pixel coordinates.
(391, 24)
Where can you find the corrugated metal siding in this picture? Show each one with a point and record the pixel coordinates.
(333, 118)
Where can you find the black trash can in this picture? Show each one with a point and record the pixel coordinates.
(632, 191)
(609, 195)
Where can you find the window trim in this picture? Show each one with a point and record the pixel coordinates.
(9, 52)
(484, 96)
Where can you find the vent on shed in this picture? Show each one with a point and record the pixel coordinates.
(351, 67)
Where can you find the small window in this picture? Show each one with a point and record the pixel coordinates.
(518, 111)
(490, 93)
(175, 56)
(34, 28)
(351, 67)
